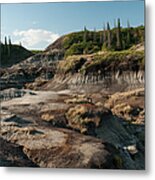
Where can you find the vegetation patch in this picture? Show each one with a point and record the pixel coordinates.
(106, 61)
(71, 64)
(80, 116)
(12, 54)
(114, 61)
(115, 39)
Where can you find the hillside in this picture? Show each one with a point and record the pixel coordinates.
(111, 57)
(88, 42)
(13, 54)
(79, 43)
(71, 62)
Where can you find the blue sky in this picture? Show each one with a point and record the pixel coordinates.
(37, 25)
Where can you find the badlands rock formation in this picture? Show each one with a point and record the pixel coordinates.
(83, 111)
(61, 129)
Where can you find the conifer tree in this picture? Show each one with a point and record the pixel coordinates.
(5, 41)
(128, 24)
(118, 35)
(114, 23)
(94, 37)
(85, 35)
(9, 47)
(5, 46)
(104, 37)
(109, 35)
(128, 34)
(10, 41)
(101, 37)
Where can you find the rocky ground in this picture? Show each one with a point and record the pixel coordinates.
(70, 129)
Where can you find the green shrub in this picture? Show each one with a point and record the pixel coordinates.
(75, 49)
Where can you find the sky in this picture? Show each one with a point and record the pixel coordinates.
(36, 25)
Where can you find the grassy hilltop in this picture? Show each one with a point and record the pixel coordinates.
(88, 42)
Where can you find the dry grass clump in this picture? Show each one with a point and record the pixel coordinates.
(47, 117)
(80, 116)
(79, 99)
(128, 105)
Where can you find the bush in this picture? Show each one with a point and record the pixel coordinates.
(82, 48)
(75, 49)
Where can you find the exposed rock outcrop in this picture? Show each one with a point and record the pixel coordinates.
(12, 155)
(128, 105)
(110, 71)
(28, 71)
(37, 122)
(41, 66)
(58, 148)
(110, 82)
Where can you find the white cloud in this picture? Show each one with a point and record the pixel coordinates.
(35, 38)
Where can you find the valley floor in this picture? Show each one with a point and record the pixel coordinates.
(70, 129)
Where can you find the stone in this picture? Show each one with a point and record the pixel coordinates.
(47, 117)
(59, 148)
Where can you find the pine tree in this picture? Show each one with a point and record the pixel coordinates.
(85, 35)
(10, 41)
(118, 35)
(128, 24)
(128, 34)
(5, 41)
(104, 37)
(9, 47)
(101, 37)
(90, 36)
(114, 33)
(5, 46)
(114, 23)
(109, 35)
(94, 37)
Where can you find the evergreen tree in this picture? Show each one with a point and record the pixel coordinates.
(10, 41)
(101, 37)
(90, 35)
(114, 23)
(128, 24)
(94, 37)
(109, 35)
(104, 37)
(128, 34)
(85, 35)
(118, 36)
(5, 41)
(9, 47)
(5, 46)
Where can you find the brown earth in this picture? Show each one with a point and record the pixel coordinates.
(48, 125)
